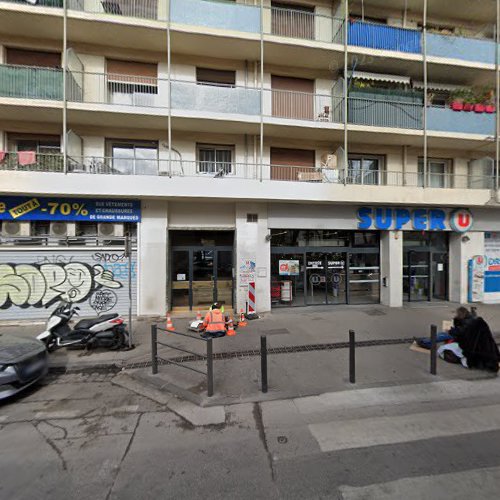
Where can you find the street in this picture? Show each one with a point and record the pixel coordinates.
(80, 436)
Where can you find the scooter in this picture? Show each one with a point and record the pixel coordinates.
(107, 330)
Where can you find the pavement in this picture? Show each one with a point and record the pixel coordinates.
(79, 436)
(306, 369)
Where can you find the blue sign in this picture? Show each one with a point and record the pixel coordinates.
(419, 219)
(25, 208)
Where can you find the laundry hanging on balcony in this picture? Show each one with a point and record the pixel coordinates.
(26, 157)
(2, 156)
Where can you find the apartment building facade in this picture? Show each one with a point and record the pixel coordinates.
(317, 152)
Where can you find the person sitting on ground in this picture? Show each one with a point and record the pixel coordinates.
(215, 322)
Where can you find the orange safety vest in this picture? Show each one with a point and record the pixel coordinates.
(215, 321)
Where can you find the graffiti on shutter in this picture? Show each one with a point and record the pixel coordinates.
(96, 280)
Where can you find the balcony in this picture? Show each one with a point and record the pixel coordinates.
(466, 49)
(216, 14)
(140, 9)
(39, 3)
(461, 122)
(232, 170)
(383, 37)
(28, 82)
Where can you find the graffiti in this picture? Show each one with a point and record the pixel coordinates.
(40, 285)
(120, 270)
(109, 257)
(103, 300)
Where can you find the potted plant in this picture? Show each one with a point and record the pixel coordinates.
(469, 100)
(489, 102)
(457, 100)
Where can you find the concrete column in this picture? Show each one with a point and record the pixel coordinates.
(251, 244)
(462, 249)
(152, 256)
(391, 268)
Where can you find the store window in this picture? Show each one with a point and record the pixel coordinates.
(215, 159)
(365, 169)
(133, 83)
(439, 173)
(133, 157)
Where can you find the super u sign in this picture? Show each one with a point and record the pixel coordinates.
(461, 220)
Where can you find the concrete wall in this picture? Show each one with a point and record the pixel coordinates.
(391, 268)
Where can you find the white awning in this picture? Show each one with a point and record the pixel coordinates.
(363, 75)
(437, 86)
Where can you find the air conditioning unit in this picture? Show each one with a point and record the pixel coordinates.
(15, 229)
(106, 229)
(62, 229)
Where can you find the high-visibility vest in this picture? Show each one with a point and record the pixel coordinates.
(215, 321)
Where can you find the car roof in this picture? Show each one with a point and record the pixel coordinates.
(14, 348)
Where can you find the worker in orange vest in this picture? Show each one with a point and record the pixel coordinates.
(215, 322)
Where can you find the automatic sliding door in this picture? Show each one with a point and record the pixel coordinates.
(336, 278)
(225, 277)
(416, 275)
(364, 278)
(316, 278)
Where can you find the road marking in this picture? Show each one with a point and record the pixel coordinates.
(478, 483)
(366, 432)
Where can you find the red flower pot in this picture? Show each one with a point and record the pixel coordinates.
(490, 108)
(457, 106)
(468, 106)
(479, 108)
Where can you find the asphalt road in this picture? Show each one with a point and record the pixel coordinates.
(79, 436)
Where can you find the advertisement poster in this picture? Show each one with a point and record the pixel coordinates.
(492, 267)
(247, 271)
(476, 278)
(289, 267)
(31, 208)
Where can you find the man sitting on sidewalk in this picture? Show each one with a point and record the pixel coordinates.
(215, 322)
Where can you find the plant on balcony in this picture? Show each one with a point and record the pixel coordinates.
(469, 100)
(457, 99)
(488, 100)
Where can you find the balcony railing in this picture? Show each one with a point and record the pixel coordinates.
(446, 120)
(457, 47)
(302, 105)
(35, 162)
(140, 9)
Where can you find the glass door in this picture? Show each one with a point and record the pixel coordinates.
(416, 275)
(336, 278)
(203, 280)
(224, 278)
(316, 278)
(440, 276)
(364, 278)
(180, 279)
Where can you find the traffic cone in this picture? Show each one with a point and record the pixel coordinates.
(231, 332)
(198, 315)
(170, 325)
(243, 321)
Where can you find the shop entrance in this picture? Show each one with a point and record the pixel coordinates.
(342, 267)
(202, 271)
(425, 266)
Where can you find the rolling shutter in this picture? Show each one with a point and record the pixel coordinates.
(293, 97)
(33, 58)
(132, 72)
(286, 163)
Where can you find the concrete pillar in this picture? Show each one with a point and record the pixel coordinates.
(391, 268)
(152, 256)
(462, 248)
(251, 244)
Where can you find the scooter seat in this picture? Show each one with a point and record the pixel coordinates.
(85, 324)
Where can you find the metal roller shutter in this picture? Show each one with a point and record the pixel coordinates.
(95, 278)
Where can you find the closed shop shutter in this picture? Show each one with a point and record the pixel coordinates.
(292, 97)
(94, 279)
(33, 58)
(286, 163)
(132, 72)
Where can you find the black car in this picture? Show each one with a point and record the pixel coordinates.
(23, 362)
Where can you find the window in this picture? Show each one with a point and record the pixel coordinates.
(482, 173)
(293, 164)
(41, 144)
(132, 83)
(33, 58)
(438, 173)
(292, 97)
(216, 160)
(133, 157)
(365, 169)
(216, 77)
(252, 217)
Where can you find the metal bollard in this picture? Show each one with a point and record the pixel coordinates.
(433, 349)
(154, 349)
(210, 368)
(352, 357)
(263, 362)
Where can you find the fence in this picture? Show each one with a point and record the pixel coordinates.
(209, 357)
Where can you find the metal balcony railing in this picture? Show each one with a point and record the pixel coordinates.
(302, 105)
(37, 162)
(141, 9)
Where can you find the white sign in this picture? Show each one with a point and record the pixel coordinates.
(247, 271)
(181, 277)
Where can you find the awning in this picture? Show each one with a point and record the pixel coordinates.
(363, 75)
(437, 86)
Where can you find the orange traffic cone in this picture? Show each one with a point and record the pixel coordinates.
(170, 325)
(231, 332)
(243, 321)
(198, 316)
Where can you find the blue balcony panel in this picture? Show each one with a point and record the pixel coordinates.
(216, 14)
(379, 36)
(447, 120)
(456, 47)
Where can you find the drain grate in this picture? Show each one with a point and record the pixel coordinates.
(275, 350)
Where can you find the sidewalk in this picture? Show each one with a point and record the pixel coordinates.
(291, 374)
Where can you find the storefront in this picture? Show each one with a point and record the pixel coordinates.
(317, 267)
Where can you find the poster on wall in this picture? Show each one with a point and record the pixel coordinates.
(289, 267)
(476, 278)
(492, 267)
(247, 271)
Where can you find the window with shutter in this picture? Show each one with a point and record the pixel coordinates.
(217, 77)
(215, 159)
(37, 58)
(293, 164)
(292, 97)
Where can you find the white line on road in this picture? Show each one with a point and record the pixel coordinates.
(466, 485)
(361, 433)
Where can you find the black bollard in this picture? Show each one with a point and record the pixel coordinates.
(352, 357)
(263, 362)
(433, 349)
